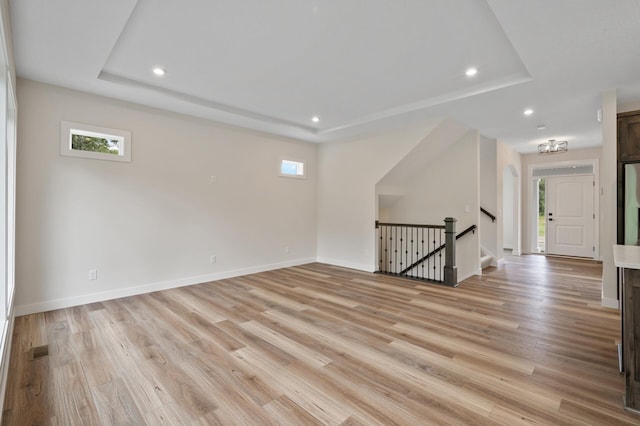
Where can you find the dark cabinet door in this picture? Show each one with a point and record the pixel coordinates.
(631, 337)
(629, 137)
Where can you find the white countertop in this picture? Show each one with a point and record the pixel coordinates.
(626, 256)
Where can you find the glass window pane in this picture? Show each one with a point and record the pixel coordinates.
(292, 168)
(107, 144)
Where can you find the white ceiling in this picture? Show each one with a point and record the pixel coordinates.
(359, 65)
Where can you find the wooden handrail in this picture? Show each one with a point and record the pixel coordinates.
(408, 225)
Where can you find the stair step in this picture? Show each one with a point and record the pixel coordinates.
(485, 261)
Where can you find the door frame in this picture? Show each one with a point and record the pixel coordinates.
(532, 210)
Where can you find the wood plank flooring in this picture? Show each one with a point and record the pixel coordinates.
(526, 343)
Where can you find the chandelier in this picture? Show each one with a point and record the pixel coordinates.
(553, 147)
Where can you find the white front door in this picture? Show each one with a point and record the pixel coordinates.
(570, 211)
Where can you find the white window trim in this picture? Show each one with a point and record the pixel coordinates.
(295, 160)
(65, 142)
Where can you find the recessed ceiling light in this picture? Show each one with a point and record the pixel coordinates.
(471, 72)
(528, 111)
(315, 119)
(541, 127)
(159, 71)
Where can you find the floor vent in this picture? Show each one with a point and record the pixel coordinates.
(38, 352)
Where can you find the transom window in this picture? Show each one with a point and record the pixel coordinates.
(292, 168)
(98, 143)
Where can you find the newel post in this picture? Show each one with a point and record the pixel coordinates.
(450, 269)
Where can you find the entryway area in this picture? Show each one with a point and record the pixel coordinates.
(564, 209)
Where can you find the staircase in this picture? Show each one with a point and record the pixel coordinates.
(418, 251)
(485, 258)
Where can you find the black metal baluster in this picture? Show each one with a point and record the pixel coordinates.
(397, 261)
(400, 248)
(386, 248)
(417, 272)
(395, 251)
(383, 250)
(427, 264)
(422, 254)
(441, 270)
(406, 246)
(413, 230)
(380, 250)
(430, 249)
(402, 239)
(436, 243)
(432, 238)
(389, 246)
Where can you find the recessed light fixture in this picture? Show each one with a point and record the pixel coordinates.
(541, 127)
(471, 72)
(315, 119)
(159, 71)
(528, 111)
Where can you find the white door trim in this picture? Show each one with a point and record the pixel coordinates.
(532, 212)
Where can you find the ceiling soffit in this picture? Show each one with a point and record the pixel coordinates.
(282, 65)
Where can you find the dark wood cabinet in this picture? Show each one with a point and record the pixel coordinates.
(629, 137)
(631, 337)
(629, 280)
(628, 152)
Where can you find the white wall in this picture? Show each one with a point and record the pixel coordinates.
(445, 188)
(489, 195)
(152, 223)
(536, 159)
(347, 205)
(634, 106)
(507, 208)
(509, 160)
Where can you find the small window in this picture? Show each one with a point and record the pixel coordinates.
(99, 143)
(291, 168)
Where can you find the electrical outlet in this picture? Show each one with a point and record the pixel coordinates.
(286, 249)
(212, 259)
(93, 274)
(214, 179)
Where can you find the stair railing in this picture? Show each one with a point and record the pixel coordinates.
(416, 251)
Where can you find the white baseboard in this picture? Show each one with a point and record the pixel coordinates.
(50, 305)
(609, 303)
(478, 272)
(350, 265)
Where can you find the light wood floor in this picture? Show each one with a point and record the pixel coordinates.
(526, 343)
